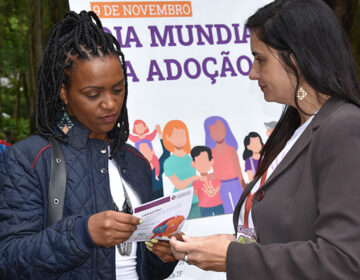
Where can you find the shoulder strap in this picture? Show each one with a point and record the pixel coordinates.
(57, 185)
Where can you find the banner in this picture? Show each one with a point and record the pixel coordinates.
(188, 70)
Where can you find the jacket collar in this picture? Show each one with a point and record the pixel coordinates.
(304, 140)
(78, 137)
(306, 137)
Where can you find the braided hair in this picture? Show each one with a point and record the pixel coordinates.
(79, 36)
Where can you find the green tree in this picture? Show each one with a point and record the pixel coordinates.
(23, 35)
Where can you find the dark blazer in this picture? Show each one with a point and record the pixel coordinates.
(307, 214)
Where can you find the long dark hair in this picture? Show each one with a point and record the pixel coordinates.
(308, 32)
(79, 36)
(247, 153)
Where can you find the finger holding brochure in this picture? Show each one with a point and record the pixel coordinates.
(163, 217)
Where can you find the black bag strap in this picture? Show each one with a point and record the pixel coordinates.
(57, 185)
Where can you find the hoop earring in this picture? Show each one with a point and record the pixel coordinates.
(301, 94)
(65, 123)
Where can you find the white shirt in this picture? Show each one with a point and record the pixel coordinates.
(125, 266)
(271, 169)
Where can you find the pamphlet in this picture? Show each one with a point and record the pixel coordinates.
(163, 217)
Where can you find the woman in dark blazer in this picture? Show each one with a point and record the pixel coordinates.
(300, 217)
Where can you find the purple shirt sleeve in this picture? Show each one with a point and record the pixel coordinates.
(247, 164)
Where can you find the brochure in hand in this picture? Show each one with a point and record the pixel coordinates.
(163, 217)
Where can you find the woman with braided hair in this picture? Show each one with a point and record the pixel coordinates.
(81, 103)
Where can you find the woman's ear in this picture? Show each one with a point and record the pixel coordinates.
(64, 94)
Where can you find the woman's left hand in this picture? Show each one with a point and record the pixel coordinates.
(162, 248)
(208, 252)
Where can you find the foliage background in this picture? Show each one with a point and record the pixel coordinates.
(24, 28)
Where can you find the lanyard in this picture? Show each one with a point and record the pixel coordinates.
(249, 201)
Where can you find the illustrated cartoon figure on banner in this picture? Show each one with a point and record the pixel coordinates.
(253, 146)
(178, 166)
(146, 148)
(207, 187)
(220, 139)
(140, 128)
(157, 166)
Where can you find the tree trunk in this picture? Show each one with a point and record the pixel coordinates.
(0, 105)
(348, 15)
(32, 76)
(17, 100)
(35, 46)
(345, 11)
(355, 37)
(57, 10)
(26, 94)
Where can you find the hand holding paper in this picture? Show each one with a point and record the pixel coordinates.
(162, 248)
(163, 217)
(207, 252)
(109, 228)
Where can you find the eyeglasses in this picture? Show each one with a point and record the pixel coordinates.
(125, 247)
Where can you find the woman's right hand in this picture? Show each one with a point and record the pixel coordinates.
(162, 248)
(110, 228)
(207, 252)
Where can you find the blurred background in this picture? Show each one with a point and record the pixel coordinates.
(24, 27)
